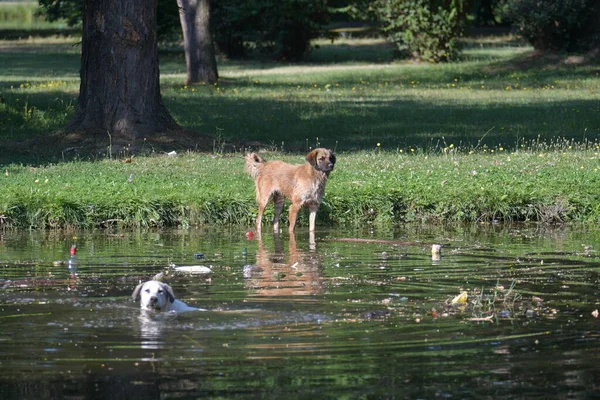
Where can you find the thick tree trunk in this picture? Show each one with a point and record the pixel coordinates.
(200, 57)
(119, 92)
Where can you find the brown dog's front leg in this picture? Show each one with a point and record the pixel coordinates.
(312, 217)
(294, 208)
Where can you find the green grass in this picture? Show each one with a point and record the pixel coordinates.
(496, 136)
(367, 187)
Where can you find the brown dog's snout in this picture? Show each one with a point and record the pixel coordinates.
(153, 299)
(330, 162)
(327, 166)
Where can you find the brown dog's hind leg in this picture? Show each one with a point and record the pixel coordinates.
(278, 200)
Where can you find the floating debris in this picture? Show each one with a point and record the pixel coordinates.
(194, 269)
(159, 277)
(482, 319)
(460, 299)
(376, 314)
(251, 269)
(436, 254)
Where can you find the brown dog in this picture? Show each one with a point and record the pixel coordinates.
(303, 184)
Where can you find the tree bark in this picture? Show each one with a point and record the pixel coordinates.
(200, 59)
(119, 92)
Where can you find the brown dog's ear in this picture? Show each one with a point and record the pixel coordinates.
(311, 157)
(136, 291)
(332, 158)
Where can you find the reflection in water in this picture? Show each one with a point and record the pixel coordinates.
(152, 327)
(277, 274)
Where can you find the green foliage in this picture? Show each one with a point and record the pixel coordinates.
(486, 12)
(19, 12)
(21, 16)
(68, 10)
(71, 11)
(554, 24)
(168, 24)
(427, 29)
(281, 28)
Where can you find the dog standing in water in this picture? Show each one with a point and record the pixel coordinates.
(303, 185)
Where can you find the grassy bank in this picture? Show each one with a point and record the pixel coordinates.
(500, 135)
(368, 187)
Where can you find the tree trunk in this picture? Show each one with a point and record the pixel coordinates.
(199, 49)
(119, 92)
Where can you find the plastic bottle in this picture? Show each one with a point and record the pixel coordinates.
(73, 262)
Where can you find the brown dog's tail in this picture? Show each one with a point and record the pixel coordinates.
(253, 162)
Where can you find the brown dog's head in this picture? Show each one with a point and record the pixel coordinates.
(321, 159)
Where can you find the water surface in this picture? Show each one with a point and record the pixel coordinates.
(293, 319)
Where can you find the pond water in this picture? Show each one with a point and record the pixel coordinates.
(285, 318)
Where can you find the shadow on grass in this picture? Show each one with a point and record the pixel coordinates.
(23, 65)
(550, 65)
(395, 124)
(346, 125)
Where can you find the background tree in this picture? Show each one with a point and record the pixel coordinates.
(556, 25)
(119, 91)
(426, 29)
(200, 59)
(484, 12)
(292, 24)
(281, 29)
(233, 23)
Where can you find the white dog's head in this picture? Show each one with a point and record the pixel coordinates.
(155, 295)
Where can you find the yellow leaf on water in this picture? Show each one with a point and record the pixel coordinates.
(460, 299)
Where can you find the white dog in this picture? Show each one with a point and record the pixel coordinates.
(158, 296)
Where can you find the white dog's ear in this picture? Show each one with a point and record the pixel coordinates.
(136, 291)
(170, 293)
